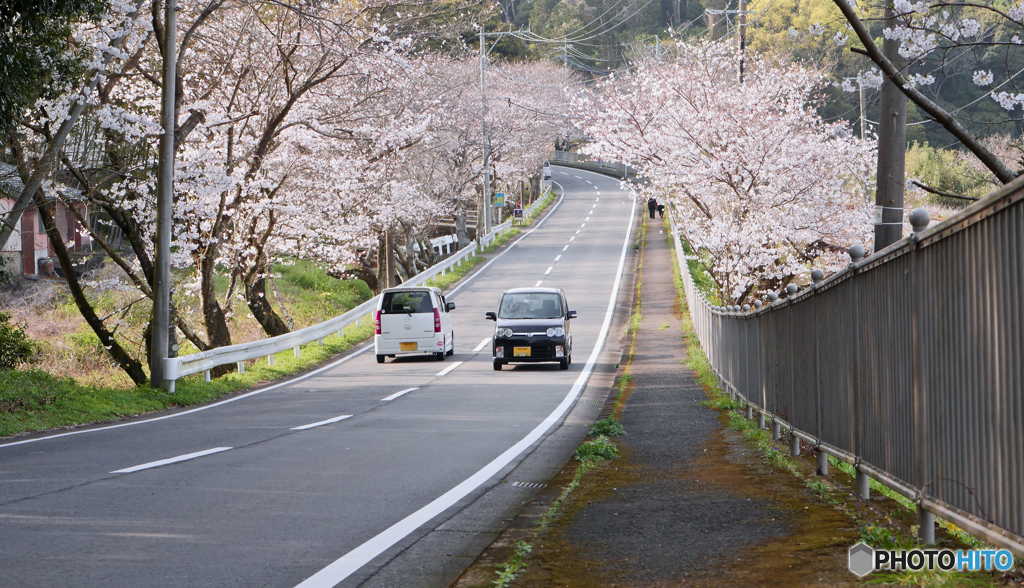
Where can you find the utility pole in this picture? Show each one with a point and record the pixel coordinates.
(892, 146)
(486, 192)
(389, 260)
(164, 206)
(741, 28)
(863, 118)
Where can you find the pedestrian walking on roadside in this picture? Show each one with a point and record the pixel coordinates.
(652, 205)
(661, 210)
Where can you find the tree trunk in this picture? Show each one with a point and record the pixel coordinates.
(256, 299)
(126, 362)
(461, 232)
(213, 316)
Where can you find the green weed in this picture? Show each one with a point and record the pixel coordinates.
(608, 427)
(597, 450)
(507, 571)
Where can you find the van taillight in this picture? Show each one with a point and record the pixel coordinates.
(378, 322)
(437, 321)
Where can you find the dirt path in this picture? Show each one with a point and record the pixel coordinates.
(688, 502)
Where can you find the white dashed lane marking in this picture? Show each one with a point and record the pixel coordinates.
(564, 248)
(397, 394)
(549, 270)
(170, 460)
(558, 257)
(481, 345)
(537, 285)
(448, 369)
(329, 421)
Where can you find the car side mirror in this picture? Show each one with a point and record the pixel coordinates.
(490, 316)
(571, 314)
(450, 306)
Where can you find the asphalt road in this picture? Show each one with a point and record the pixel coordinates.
(397, 451)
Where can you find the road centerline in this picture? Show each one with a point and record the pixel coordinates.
(448, 369)
(322, 423)
(170, 460)
(397, 394)
(481, 345)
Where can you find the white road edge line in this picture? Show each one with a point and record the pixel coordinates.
(481, 345)
(163, 462)
(327, 422)
(205, 407)
(344, 566)
(448, 369)
(397, 394)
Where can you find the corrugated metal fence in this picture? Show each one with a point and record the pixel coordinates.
(908, 364)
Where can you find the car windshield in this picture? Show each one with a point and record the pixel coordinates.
(396, 302)
(531, 305)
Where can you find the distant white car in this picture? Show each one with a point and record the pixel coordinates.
(546, 171)
(413, 321)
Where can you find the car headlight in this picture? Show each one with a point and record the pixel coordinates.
(503, 333)
(556, 332)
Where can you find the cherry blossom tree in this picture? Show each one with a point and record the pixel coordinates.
(252, 68)
(763, 188)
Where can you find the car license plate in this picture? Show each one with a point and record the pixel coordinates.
(521, 351)
(409, 346)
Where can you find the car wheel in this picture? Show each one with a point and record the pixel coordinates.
(452, 350)
(497, 366)
(391, 356)
(570, 359)
(564, 364)
(380, 359)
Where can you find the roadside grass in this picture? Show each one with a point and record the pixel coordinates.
(545, 202)
(704, 283)
(876, 529)
(500, 240)
(456, 273)
(34, 400)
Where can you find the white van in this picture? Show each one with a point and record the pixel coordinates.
(413, 321)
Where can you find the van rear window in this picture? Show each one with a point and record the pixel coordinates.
(406, 302)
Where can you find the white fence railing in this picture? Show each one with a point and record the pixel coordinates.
(176, 368)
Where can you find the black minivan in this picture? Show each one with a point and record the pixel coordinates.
(532, 326)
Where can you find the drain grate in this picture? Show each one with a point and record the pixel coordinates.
(592, 401)
(529, 485)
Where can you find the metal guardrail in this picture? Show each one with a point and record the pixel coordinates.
(568, 158)
(176, 368)
(908, 364)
